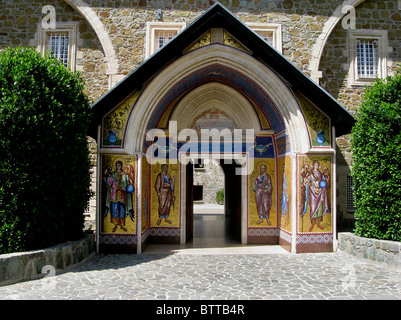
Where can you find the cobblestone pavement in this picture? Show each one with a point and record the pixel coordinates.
(319, 276)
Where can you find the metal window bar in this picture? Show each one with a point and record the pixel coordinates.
(58, 43)
(350, 194)
(367, 58)
(164, 37)
(267, 36)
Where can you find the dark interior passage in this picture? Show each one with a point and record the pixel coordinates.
(213, 228)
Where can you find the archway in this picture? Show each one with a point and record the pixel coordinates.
(225, 94)
(191, 84)
(226, 65)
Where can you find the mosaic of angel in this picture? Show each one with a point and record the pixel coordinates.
(315, 193)
(118, 197)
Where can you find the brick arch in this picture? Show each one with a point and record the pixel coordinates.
(320, 43)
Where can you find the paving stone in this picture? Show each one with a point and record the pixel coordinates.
(223, 277)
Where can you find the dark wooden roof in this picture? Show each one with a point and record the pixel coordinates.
(217, 16)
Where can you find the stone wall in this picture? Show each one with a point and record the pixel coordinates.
(19, 23)
(377, 250)
(302, 22)
(120, 36)
(22, 266)
(335, 63)
(211, 178)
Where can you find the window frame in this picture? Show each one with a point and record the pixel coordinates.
(381, 38)
(258, 28)
(68, 27)
(153, 28)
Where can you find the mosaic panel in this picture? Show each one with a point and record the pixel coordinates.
(317, 122)
(285, 190)
(315, 194)
(115, 122)
(165, 195)
(118, 194)
(262, 202)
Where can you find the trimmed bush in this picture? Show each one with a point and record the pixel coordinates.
(376, 170)
(44, 159)
(220, 196)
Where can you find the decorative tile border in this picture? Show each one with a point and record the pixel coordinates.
(118, 239)
(165, 232)
(314, 238)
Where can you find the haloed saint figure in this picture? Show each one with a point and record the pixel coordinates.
(118, 199)
(164, 187)
(315, 193)
(263, 194)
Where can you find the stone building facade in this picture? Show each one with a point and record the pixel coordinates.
(107, 40)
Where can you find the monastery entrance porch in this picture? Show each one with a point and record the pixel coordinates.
(206, 79)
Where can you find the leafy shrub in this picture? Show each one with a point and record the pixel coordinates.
(44, 159)
(220, 196)
(376, 146)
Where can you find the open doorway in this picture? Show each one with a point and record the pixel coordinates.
(210, 222)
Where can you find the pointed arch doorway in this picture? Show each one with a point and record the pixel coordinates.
(223, 98)
(217, 109)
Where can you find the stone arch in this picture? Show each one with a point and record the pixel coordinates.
(155, 98)
(217, 97)
(87, 12)
(320, 43)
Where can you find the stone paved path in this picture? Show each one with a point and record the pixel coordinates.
(319, 276)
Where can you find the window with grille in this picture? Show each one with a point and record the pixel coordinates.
(270, 32)
(366, 52)
(158, 34)
(162, 37)
(61, 42)
(350, 194)
(268, 36)
(58, 44)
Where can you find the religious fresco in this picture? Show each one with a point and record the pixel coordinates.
(262, 194)
(165, 195)
(318, 123)
(204, 40)
(115, 122)
(315, 180)
(231, 41)
(284, 178)
(118, 194)
(262, 185)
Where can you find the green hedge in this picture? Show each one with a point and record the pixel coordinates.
(44, 159)
(376, 170)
